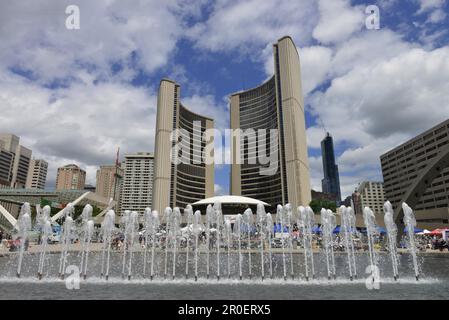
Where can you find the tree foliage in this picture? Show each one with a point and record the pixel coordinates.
(317, 205)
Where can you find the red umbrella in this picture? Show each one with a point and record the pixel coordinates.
(436, 232)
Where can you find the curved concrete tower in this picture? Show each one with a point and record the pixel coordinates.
(192, 179)
(276, 104)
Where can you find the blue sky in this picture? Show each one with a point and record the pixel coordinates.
(76, 95)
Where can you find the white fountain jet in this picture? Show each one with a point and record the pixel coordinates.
(228, 242)
(147, 221)
(392, 234)
(167, 218)
(269, 232)
(123, 223)
(261, 218)
(218, 221)
(44, 224)
(306, 220)
(67, 236)
(176, 223)
(238, 233)
(152, 228)
(87, 230)
(188, 213)
(328, 223)
(106, 231)
(371, 233)
(197, 228)
(131, 231)
(410, 224)
(347, 231)
(209, 221)
(289, 224)
(281, 218)
(248, 219)
(23, 227)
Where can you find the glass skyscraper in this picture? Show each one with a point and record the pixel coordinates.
(331, 181)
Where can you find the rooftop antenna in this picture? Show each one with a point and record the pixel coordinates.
(243, 81)
(117, 175)
(117, 159)
(321, 123)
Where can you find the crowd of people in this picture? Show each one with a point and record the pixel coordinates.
(423, 242)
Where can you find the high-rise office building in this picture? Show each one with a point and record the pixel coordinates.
(6, 165)
(70, 177)
(402, 165)
(357, 202)
(331, 180)
(37, 174)
(178, 183)
(14, 162)
(109, 181)
(137, 187)
(372, 195)
(276, 104)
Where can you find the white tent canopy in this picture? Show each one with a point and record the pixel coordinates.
(230, 200)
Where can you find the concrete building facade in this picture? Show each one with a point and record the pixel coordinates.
(15, 159)
(276, 104)
(109, 181)
(70, 177)
(6, 166)
(402, 165)
(37, 174)
(178, 183)
(372, 195)
(137, 187)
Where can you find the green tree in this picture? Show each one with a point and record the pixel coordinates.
(317, 205)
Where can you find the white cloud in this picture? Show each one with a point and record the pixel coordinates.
(71, 106)
(367, 48)
(219, 190)
(83, 124)
(433, 9)
(428, 5)
(377, 106)
(86, 122)
(437, 16)
(338, 20)
(316, 172)
(206, 106)
(254, 24)
(142, 34)
(315, 65)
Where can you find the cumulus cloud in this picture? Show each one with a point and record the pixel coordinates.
(219, 190)
(250, 25)
(412, 88)
(68, 94)
(111, 32)
(83, 124)
(434, 9)
(437, 16)
(338, 20)
(428, 5)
